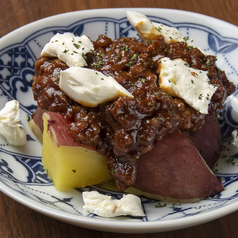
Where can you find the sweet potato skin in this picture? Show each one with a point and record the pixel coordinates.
(207, 140)
(176, 170)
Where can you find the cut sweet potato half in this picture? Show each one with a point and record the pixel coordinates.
(175, 170)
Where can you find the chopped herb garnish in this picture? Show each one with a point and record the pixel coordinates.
(65, 51)
(84, 56)
(208, 62)
(57, 78)
(28, 118)
(231, 161)
(77, 46)
(159, 29)
(186, 38)
(132, 58)
(101, 55)
(160, 205)
(200, 96)
(74, 171)
(98, 64)
(125, 48)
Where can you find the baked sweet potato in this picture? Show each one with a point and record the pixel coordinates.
(207, 140)
(175, 170)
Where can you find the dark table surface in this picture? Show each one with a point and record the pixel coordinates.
(17, 220)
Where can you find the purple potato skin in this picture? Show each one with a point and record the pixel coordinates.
(176, 170)
(207, 140)
(172, 169)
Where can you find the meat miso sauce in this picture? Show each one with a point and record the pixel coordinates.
(125, 129)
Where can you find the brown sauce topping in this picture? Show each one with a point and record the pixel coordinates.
(124, 129)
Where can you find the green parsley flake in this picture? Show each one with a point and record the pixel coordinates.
(132, 59)
(57, 78)
(84, 56)
(77, 46)
(125, 48)
(186, 38)
(28, 118)
(159, 29)
(99, 64)
(159, 205)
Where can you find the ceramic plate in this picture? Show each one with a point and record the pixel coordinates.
(22, 176)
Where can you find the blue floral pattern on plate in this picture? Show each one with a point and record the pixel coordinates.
(21, 169)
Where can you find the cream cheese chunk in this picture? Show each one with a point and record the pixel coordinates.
(235, 137)
(148, 30)
(90, 87)
(10, 126)
(69, 48)
(105, 206)
(178, 79)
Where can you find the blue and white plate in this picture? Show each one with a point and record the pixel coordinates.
(22, 176)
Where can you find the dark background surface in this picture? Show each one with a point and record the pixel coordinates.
(17, 220)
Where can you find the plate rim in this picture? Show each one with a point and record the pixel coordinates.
(114, 226)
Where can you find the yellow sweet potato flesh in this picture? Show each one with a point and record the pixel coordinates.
(71, 166)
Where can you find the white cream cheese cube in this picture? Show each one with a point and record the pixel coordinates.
(69, 48)
(179, 80)
(10, 126)
(148, 30)
(105, 206)
(90, 87)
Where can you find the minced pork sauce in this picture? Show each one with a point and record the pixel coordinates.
(126, 128)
